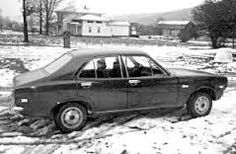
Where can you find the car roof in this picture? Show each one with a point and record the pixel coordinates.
(105, 52)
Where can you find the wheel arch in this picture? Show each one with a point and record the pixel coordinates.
(85, 103)
(205, 89)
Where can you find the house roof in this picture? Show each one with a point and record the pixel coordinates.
(173, 22)
(90, 17)
(79, 11)
(119, 23)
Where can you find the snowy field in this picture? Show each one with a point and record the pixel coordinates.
(160, 131)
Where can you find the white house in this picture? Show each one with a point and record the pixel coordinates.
(119, 28)
(87, 23)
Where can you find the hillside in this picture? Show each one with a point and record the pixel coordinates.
(151, 18)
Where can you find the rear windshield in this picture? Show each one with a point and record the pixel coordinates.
(58, 63)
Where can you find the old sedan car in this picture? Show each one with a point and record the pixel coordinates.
(88, 82)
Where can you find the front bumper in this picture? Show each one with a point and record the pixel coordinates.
(218, 94)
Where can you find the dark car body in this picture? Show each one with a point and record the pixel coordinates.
(40, 93)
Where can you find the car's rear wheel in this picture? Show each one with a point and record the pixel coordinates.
(199, 104)
(70, 117)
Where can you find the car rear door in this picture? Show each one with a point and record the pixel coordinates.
(149, 85)
(106, 87)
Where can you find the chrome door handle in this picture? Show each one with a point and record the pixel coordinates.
(134, 82)
(86, 84)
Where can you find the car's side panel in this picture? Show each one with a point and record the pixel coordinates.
(107, 94)
(142, 93)
(160, 91)
(197, 84)
(186, 88)
(166, 91)
(43, 98)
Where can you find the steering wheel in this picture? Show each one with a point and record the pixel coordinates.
(137, 70)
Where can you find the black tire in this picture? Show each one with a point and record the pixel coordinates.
(199, 104)
(70, 117)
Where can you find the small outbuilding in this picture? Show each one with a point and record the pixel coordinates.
(174, 28)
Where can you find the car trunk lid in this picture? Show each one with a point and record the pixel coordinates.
(29, 77)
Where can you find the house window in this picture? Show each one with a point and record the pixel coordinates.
(90, 30)
(90, 21)
(99, 29)
(98, 22)
(75, 20)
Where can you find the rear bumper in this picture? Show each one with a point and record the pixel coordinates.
(13, 108)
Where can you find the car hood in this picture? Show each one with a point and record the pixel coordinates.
(29, 77)
(188, 72)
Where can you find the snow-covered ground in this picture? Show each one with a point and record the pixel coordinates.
(131, 133)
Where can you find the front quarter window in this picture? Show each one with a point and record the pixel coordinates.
(58, 63)
(157, 71)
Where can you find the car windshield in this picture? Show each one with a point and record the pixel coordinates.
(58, 63)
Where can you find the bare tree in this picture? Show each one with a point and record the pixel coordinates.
(26, 38)
(39, 11)
(50, 6)
(27, 11)
(157, 28)
(1, 21)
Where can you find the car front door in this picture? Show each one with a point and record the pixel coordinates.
(149, 85)
(166, 87)
(103, 82)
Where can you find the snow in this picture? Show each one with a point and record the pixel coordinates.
(33, 58)
(224, 56)
(3, 108)
(10, 32)
(174, 22)
(155, 132)
(6, 77)
(5, 93)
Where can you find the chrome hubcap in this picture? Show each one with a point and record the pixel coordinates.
(202, 104)
(71, 117)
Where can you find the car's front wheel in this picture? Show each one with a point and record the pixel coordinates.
(199, 104)
(70, 117)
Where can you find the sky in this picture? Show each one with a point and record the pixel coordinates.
(12, 8)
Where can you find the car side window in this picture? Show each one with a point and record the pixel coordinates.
(156, 70)
(141, 66)
(106, 67)
(138, 66)
(88, 71)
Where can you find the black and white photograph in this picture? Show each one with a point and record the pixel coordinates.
(117, 76)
